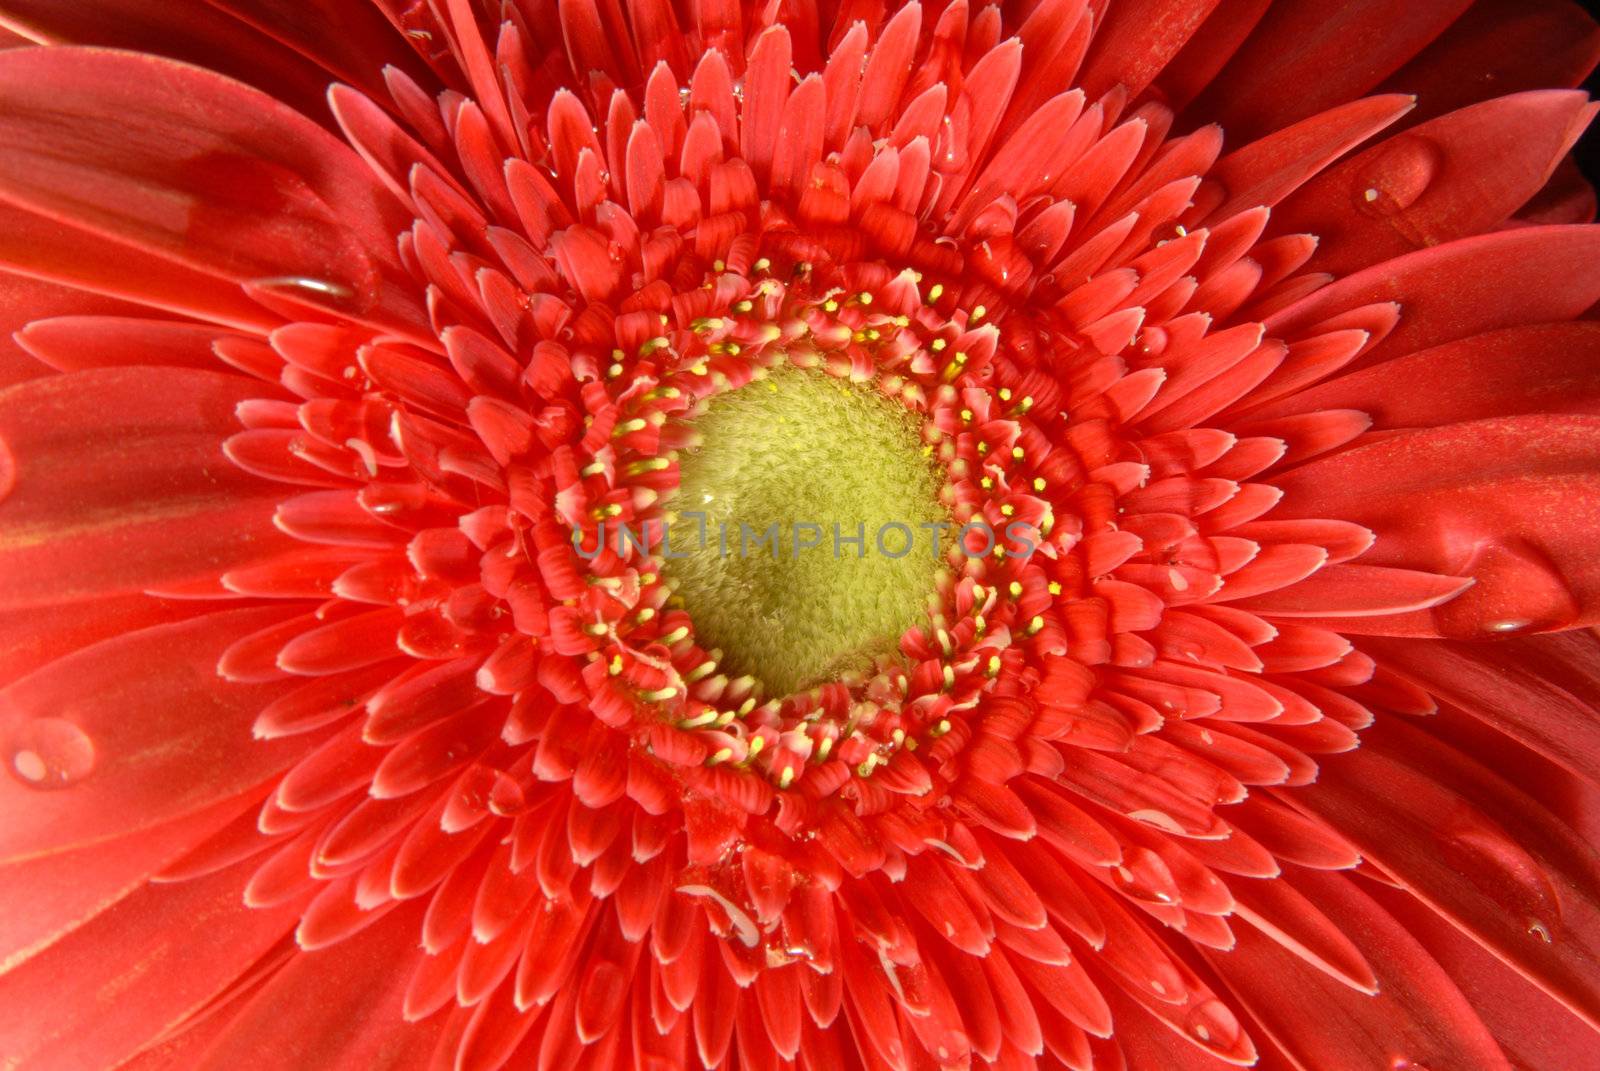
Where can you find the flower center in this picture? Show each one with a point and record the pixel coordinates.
(819, 503)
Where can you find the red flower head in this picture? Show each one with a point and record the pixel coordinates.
(1161, 440)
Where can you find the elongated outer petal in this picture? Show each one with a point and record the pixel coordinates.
(52, 895)
(71, 1007)
(1474, 848)
(1217, 41)
(1506, 685)
(1357, 590)
(130, 732)
(1432, 184)
(1500, 47)
(354, 41)
(337, 1009)
(69, 343)
(193, 33)
(116, 274)
(1533, 1031)
(1418, 1015)
(1538, 368)
(24, 300)
(30, 638)
(1136, 41)
(1269, 169)
(114, 481)
(1327, 55)
(1522, 276)
(1511, 503)
(192, 167)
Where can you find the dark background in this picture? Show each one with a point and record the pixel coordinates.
(1588, 150)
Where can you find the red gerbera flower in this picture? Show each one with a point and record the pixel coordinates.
(1238, 350)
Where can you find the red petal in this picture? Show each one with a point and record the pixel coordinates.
(53, 895)
(1474, 848)
(1533, 1030)
(1523, 276)
(1356, 591)
(30, 638)
(117, 483)
(356, 42)
(76, 1005)
(201, 170)
(1498, 47)
(1430, 185)
(200, 35)
(134, 730)
(334, 1010)
(1512, 686)
(56, 253)
(1418, 1015)
(1279, 910)
(1136, 41)
(1542, 368)
(73, 342)
(1507, 502)
(25, 300)
(1327, 56)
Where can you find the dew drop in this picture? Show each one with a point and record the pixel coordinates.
(1143, 875)
(1490, 859)
(1517, 589)
(1214, 1024)
(307, 285)
(1397, 176)
(50, 753)
(506, 797)
(1540, 930)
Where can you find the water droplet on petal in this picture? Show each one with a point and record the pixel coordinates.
(50, 753)
(1143, 875)
(1490, 859)
(1214, 1024)
(293, 295)
(506, 797)
(1397, 176)
(1517, 589)
(305, 286)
